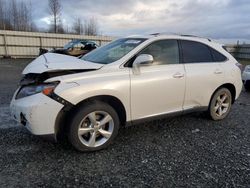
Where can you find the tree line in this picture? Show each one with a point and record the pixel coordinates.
(17, 16)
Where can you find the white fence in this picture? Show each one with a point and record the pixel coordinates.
(26, 44)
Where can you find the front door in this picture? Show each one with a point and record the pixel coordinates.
(159, 88)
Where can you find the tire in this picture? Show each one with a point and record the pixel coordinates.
(220, 104)
(247, 85)
(94, 126)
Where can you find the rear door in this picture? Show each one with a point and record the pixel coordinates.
(204, 72)
(158, 88)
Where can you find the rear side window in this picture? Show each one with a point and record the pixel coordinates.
(217, 56)
(163, 52)
(195, 52)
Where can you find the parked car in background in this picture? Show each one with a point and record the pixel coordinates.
(75, 47)
(246, 77)
(127, 81)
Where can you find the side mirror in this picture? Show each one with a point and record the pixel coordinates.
(143, 59)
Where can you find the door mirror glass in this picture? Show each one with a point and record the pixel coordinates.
(143, 59)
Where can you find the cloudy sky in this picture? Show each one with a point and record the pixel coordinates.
(219, 19)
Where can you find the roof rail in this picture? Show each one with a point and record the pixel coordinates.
(155, 34)
(183, 35)
(195, 36)
(162, 33)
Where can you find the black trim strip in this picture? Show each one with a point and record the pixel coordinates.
(167, 115)
(60, 100)
(180, 52)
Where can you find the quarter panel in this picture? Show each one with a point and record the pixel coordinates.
(233, 76)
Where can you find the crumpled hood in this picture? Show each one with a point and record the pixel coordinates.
(50, 62)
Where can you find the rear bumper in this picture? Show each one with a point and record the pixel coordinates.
(37, 113)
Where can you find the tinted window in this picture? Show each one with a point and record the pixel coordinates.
(195, 52)
(218, 57)
(163, 52)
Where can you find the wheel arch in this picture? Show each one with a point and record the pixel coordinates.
(230, 87)
(63, 118)
(112, 101)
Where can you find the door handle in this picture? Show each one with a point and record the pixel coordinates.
(217, 71)
(178, 75)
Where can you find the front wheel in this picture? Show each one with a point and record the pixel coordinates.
(94, 126)
(220, 104)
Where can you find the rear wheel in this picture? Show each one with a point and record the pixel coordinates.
(94, 127)
(220, 104)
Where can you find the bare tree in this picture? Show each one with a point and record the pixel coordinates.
(78, 26)
(91, 26)
(16, 16)
(60, 27)
(25, 18)
(55, 9)
(5, 19)
(2, 14)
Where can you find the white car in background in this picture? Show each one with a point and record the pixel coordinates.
(127, 81)
(246, 77)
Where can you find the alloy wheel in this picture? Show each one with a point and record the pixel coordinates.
(96, 128)
(222, 104)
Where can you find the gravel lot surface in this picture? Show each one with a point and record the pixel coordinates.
(186, 151)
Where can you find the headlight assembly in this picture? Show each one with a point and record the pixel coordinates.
(45, 88)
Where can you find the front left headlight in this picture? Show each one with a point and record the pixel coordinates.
(45, 88)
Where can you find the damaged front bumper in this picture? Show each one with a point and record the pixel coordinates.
(37, 113)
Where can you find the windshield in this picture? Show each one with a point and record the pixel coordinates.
(113, 51)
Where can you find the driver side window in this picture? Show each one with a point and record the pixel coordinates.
(163, 52)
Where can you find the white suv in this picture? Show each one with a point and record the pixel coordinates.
(129, 80)
(246, 77)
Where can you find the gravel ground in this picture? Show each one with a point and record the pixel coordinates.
(186, 151)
